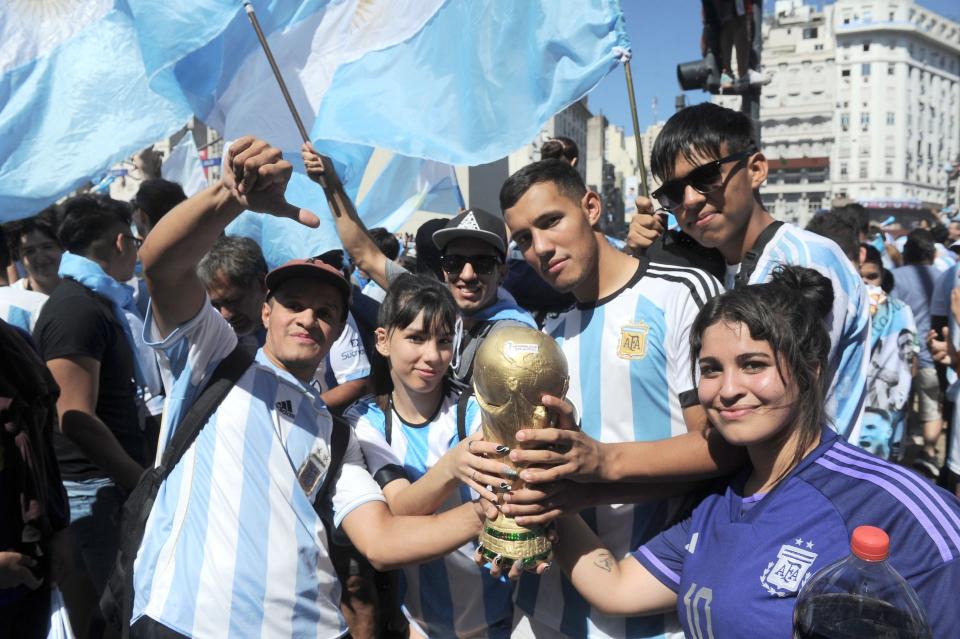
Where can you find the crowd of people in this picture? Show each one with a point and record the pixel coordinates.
(741, 392)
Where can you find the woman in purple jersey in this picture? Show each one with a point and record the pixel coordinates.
(734, 567)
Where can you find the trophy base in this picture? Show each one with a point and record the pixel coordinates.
(504, 539)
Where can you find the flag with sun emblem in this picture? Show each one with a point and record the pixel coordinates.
(74, 98)
(454, 81)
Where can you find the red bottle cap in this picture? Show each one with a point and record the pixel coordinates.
(870, 543)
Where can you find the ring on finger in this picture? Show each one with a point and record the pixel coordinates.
(474, 476)
(469, 444)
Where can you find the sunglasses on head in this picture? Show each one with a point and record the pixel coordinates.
(704, 179)
(453, 264)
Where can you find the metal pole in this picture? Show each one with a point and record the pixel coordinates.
(334, 207)
(276, 71)
(644, 191)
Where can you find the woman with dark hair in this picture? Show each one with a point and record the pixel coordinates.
(560, 148)
(423, 446)
(734, 567)
(893, 360)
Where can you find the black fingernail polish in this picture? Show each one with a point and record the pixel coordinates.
(498, 560)
(504, 486)
(503, 450)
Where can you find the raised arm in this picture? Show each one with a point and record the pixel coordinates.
(255, 177)
(353, 234)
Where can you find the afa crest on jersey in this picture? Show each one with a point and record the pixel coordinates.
(633, 340)
(789, 571)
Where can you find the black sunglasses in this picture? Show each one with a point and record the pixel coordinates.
(137, 241)
(453, 264)
(704, 179)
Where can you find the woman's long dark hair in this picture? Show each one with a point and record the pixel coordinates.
(406, 298)
(788, 312)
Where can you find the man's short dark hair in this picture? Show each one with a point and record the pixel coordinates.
(156, 197)
(701, 130)
(386, 241)
(919, 247)
(566, 178)
(857, 214)
(940, 233)
(86, 221)
(44, 222)
(239, 259)
(840, 228)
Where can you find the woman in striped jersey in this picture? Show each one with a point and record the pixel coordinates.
(422, 445)
(734, 567)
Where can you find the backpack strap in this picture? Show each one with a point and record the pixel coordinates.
(339, 438)
(224, 377)
(752, 257)
(388, 422)
(462, 404)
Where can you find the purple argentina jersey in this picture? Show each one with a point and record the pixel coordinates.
(737, 567)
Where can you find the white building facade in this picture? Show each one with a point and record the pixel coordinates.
(862, 104)
(898, 102)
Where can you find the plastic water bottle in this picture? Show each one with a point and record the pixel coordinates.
(860, 596)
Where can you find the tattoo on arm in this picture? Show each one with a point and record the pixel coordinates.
(604, 561)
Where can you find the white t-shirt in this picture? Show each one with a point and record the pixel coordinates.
(346, 361)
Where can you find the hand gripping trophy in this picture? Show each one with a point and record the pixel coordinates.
(514, 368)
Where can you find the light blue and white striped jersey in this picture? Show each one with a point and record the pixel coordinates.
(848, 322)
(452, 596)
(233, 546)
(20, 307)
(346, 361)
(630, 378)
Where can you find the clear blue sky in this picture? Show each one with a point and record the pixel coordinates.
(664, 33)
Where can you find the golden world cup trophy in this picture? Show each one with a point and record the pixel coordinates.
(514, 368)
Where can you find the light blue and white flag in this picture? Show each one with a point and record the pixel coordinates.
(456, 81)
(407, 185)
(74, 98)
(183, 166)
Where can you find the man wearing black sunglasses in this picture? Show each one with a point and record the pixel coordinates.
(711, 173)
(473, 247)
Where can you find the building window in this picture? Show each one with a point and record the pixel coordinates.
(890, 117)
(843, 169)
(866, 46)
(844, 121)
(889, 69)
(863, 171)
(810, 33)
(818, 47)
(865, 69)
(888, 168)
(845, 73)
(864, 121)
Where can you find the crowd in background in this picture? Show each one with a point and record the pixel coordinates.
(106, 347)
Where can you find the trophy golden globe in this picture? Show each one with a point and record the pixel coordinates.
(514, 368)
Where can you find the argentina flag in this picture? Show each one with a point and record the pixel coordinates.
(74, 98)
(450, 81)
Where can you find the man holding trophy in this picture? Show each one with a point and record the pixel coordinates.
(626, 347)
